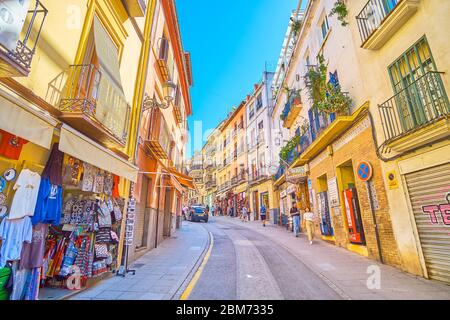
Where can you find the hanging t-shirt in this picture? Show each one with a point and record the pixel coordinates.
(27, 189)
(49, 204)
(89, 171)
(115, 191)
(99, 181)
(13, 234)
(33, 253)
(73, 169)
(53, 168)
(11, 145)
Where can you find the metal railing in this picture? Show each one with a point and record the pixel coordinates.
(419, 104)
(23, 53)
(197, 167)
(372, 16)
(261, 138)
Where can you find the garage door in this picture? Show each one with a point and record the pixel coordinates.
(429, 192)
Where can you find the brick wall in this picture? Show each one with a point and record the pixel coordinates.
(358, 146)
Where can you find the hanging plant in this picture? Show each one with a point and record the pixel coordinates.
(290, 145)
(340, 9)
(296, 26)
(324, 96)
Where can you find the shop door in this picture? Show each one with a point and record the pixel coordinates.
(265, 202)
(167, 213)
(429, 193)
(256, 204)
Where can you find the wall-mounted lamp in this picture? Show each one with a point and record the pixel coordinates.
(169, 91)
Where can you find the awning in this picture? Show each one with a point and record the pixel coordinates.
(111, 109)
(241, 188)
(81, 147)
(185, 180)
(25, 124)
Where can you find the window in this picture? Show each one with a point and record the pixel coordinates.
(259, 102)
(324, 27)
(261, 125)
(413, 64)
(252, 112)
(420, 94)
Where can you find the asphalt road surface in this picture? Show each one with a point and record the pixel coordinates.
(245, 265)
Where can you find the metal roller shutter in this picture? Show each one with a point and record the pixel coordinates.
(429, 192)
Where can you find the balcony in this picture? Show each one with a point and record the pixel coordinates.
(257, 176)
(261, 139)
(234, 181)
(252, 144)
(419, 113)
(196, 167)
(16, 51)
(242, 177)
(87, 107)
(380, 19)
(163, 58)
(210, 184)
(136, 8)
(177, 107)
(158, 139)
(291, 111)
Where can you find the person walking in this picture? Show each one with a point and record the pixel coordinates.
(309, 219)
(207, 209)
(212, 210)
(244, 214)
(295, 214)
(263, 214)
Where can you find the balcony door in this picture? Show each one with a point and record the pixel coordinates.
(417, 86)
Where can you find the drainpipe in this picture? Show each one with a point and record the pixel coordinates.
(374, 218)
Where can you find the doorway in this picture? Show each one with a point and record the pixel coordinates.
(167, 224)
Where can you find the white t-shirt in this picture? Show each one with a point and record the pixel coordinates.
(27, 189)
(308, 216)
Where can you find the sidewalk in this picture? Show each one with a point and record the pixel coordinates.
(161, 274)
(347, 272)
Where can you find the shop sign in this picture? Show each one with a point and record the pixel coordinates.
(291, 189)
(131, 217)
(392, 180)
(13, 14)
(333, 192)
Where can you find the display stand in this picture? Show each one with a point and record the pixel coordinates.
(129, 234)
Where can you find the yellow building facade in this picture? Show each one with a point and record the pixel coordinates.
(72, 83)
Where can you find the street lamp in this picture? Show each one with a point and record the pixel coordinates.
(169, 91)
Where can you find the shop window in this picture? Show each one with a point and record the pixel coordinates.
(351, 203)
(326, 225)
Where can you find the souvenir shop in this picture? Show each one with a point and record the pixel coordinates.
(60, 219)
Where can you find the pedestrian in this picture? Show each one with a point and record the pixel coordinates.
(244, 214)
(295, 215)
(207, 209)
(263, 214)
(309, 219)
(212, 210)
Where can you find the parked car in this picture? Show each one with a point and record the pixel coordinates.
(198, 213)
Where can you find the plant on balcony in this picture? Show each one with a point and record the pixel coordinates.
(296, 26)
(340, 9)
(290, 145)
(325, 97)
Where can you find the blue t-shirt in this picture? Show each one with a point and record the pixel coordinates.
(263, 210)
(49, 204)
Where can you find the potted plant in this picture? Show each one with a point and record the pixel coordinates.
(324, 96)
(340, 9)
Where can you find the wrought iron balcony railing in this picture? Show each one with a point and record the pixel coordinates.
(196, 167)
(17, 61)
(87, 107)
(372, 16)
(419, 104)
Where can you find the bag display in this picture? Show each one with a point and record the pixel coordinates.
(104, 215)
(101, 251)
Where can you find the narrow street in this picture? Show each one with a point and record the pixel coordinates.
(249, 262)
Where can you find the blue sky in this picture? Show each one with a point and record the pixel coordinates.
(230, 42)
